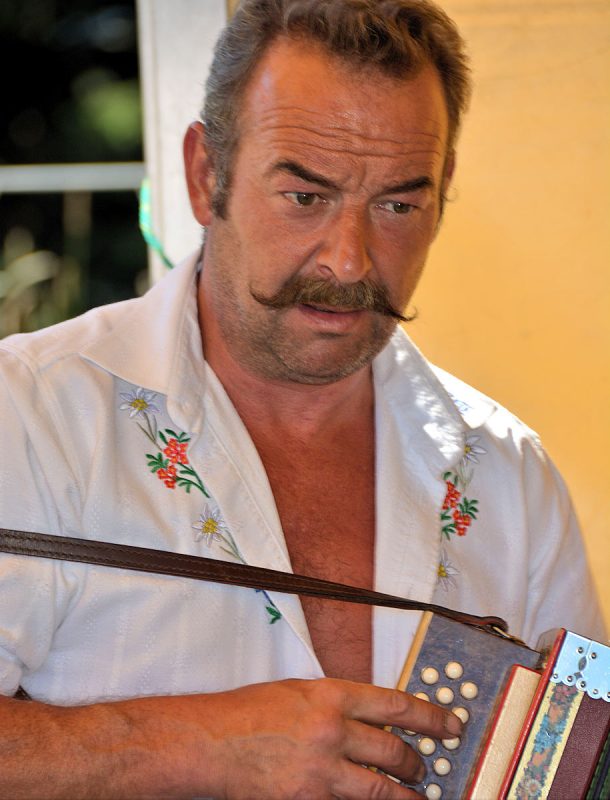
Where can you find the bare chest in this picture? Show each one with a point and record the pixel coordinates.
(326, 504)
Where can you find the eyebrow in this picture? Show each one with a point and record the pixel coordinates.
(299, 171)
(413, 185)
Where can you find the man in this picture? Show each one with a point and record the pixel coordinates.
(260, 405)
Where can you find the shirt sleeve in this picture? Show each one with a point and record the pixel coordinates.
(34, 591)
(561, 587)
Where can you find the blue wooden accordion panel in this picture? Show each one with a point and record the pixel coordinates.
(537, 723)
(461, 667)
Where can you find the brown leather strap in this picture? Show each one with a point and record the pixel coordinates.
(165, 562)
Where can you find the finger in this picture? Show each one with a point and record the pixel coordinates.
(379, 706)
(356, 783)
(379, 748)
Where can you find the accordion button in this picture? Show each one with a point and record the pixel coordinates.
(462, 713)
(451, 744)
(421, 696)
(442, 766)
(433, 791)
(444, 695)
(454, 670)
(429, 675)
(469, 690)
(426, 746)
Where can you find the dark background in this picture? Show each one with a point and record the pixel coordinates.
(70, 94)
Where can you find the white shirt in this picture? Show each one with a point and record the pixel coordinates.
(87, 409)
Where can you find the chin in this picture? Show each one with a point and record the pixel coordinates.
(322, 371)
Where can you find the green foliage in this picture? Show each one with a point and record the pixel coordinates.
(109, 109)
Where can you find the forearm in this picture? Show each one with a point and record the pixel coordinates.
(135, 748)
(293, 738)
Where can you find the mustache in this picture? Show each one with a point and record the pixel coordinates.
(360, 296)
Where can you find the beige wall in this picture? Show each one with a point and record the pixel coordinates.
(516, 297)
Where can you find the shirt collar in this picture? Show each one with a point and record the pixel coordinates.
(157, 345)
(435, 421)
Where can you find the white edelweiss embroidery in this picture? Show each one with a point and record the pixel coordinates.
(472, 450)
(446, 572)
(210, 526)
(139, 403)
(170, 462)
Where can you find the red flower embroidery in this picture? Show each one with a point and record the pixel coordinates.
(171, 463)
(452, 497)
(458, 511)
(168, 476)
(462, 522)
(176, 452)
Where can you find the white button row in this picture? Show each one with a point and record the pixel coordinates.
(453, 670)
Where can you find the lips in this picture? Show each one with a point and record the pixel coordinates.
(330, 320)
(330, 309)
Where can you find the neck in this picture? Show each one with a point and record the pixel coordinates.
(298, 408)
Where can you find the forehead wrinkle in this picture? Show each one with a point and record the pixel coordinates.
(342, 135)
(346, 148)
(356, 144)
(328, 125)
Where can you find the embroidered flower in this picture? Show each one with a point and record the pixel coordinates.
(446, 572)
(452, 497)
(472, 450)
(170, 463)
(168, 476)
(458, 511)
(139, 403)
(210, 526)
(176, 451)
(174, 470)
(464, 514)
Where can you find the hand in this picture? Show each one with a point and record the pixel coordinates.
(310, 739)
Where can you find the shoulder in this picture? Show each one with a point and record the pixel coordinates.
(134, 340)
(479, 410)
(118, 332)
(48, 347)
(404, 371)
(509, 461)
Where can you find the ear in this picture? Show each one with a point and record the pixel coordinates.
(199, 173)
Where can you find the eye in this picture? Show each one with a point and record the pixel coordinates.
(302, 198)
(396, 207)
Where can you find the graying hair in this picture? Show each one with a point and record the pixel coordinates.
(397, 36)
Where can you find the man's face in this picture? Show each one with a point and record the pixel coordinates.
(337, 179)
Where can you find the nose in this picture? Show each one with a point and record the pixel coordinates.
(344, 251)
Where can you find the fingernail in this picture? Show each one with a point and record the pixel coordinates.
(421, 773)
(453, 724)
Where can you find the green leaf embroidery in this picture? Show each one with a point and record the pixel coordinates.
(175, 470)
(274, 613)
